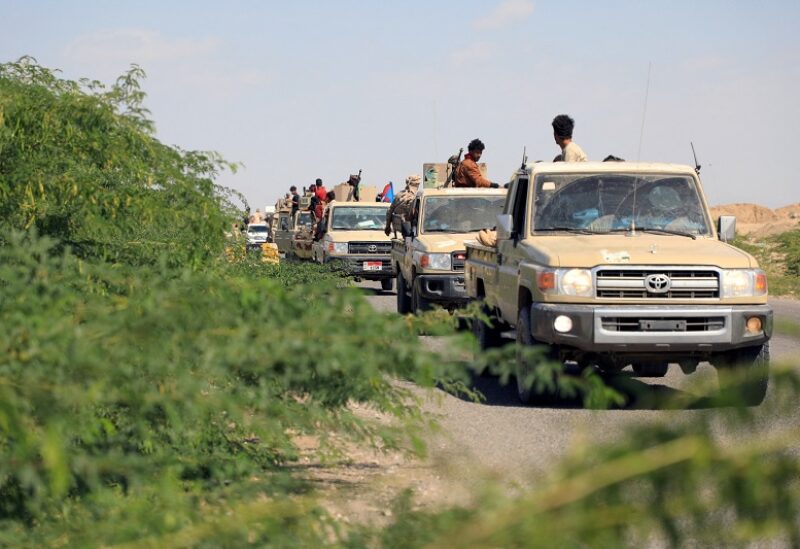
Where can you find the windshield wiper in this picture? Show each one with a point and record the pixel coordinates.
(576, 230)
(653, 230)
(666, 231)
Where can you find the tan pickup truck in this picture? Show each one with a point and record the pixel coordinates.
(302, 237)
(429, 259)
(353, 234)
(288, 226)
(283, 231)
(615, 264)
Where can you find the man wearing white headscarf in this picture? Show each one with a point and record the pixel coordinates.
(400, 210)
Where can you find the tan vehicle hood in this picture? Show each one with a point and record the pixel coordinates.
(358, 236)
(644, 249)
(444, 242)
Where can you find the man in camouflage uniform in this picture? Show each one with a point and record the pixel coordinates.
(400, 210)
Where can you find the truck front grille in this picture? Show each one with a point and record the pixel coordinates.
(662, 324)
(632, 283)
(370, 247)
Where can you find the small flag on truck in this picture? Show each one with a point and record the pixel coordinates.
(388, 192)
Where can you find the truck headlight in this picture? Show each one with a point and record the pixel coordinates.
(577, 282)
(337, 247)
(574, 282)
(743, 283)
(441, 262)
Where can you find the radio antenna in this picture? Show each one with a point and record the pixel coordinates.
(644, 111)
(639, 151)
(697, 166)
(524, 158)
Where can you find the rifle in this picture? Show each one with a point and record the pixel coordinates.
(452, 164)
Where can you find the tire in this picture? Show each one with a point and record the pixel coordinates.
(650, 369)
(529, 395)
(418, 303)
(489, 337)
(751, 368)
(387, 284)
(403, 299)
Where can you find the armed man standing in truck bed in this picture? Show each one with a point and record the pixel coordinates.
(400, 210)
(468, 173)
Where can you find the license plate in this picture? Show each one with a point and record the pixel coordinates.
(662, 325)
(373, 266)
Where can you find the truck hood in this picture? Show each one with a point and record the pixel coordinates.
(643, 249)
(444, 242)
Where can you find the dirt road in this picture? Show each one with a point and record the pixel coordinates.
(502, 439)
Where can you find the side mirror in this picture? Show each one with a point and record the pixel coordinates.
(726, 228)
(505, 224)
(406, 230)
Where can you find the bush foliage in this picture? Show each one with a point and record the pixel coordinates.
(79, 162)
(144, 374)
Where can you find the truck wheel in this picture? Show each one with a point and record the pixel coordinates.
(488, 337)
(751, 368)
(403, 299)
(650, 369)
(387, 284)
(418, 303)
(526, 366)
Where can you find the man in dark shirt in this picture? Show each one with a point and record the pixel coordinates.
(295, 199)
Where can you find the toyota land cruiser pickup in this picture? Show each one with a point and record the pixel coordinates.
(354, 235)
(615, 264)
(303, 236)
(284, 231)
(429, 259)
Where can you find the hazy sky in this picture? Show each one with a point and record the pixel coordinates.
(299, 90)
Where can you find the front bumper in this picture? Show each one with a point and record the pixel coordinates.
(441, 288)
(651, 328)
(355, 266)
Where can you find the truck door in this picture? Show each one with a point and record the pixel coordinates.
(411, 241)
(508, 252)
(283, 236)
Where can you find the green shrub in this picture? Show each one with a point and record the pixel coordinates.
(123, 379)
(79, 162)
(146, 382)
(789, 244)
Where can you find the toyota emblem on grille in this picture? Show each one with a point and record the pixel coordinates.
(372, 248)
(657, 283)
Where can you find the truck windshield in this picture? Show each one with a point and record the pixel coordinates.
(460, 214)
(304, 220)
(358, 219)
(257, 229)
(614, 202)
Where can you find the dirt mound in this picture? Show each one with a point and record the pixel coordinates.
(745, 213)
(759, 221)
(791, 211)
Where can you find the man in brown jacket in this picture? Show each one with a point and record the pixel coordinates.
(468, 173)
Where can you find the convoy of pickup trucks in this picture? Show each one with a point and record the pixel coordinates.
(599, 264)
